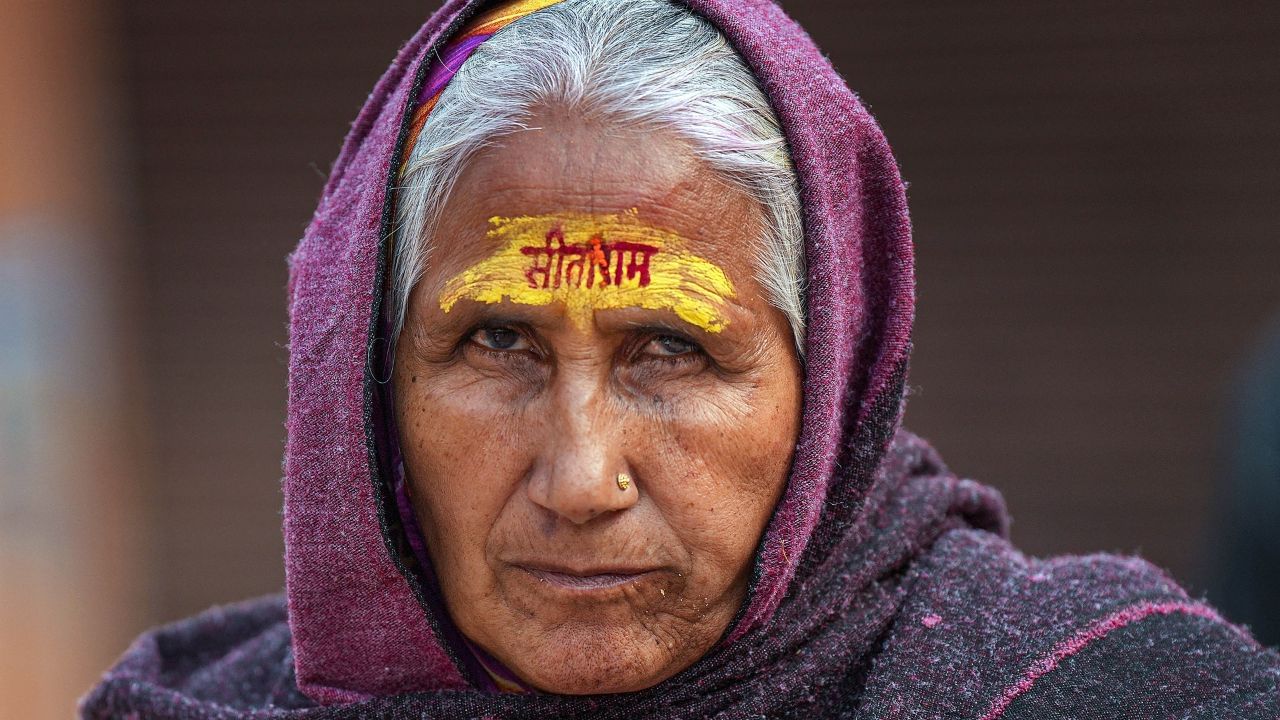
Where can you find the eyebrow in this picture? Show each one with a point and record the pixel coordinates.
(472, 312)
(665, 319)
(663, 323)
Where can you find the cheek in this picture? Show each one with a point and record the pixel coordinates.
(456, 424)
(721, 467)
(460, 451)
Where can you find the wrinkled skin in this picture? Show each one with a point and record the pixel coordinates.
(515, 424)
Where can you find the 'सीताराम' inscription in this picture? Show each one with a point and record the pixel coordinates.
(593, 262)
(557, 263)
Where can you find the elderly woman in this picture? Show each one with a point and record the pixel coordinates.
(598, 341)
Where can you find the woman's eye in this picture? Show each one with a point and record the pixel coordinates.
(500, 338)
(669, 346)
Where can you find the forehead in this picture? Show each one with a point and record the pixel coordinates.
(565, 165)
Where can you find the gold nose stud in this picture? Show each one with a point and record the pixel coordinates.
(623, 480)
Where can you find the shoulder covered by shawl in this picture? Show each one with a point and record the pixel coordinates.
(989, 633)
(220, 664)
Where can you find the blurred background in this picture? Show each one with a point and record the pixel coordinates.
(1094, 188)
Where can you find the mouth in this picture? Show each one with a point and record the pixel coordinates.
(588, 580)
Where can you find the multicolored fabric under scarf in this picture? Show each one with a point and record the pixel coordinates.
(456, 51)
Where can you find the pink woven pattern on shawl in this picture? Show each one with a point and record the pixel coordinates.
(1081, 640)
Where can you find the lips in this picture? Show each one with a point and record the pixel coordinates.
(584, 580)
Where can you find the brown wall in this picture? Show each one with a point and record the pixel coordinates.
(71, 460)
(1093, 186)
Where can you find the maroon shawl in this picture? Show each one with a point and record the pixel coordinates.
(882, 587)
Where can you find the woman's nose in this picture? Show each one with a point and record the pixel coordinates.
(578, 476)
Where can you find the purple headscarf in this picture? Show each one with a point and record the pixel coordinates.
(861, 289)
(882, 587)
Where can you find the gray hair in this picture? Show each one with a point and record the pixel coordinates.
(635, 62)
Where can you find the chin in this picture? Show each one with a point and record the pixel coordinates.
(590, 660)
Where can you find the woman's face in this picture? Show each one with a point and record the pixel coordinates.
(589, 310)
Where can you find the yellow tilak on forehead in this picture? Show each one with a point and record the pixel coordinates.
(594, 262)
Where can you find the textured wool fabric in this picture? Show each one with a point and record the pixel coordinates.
(883, 586)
